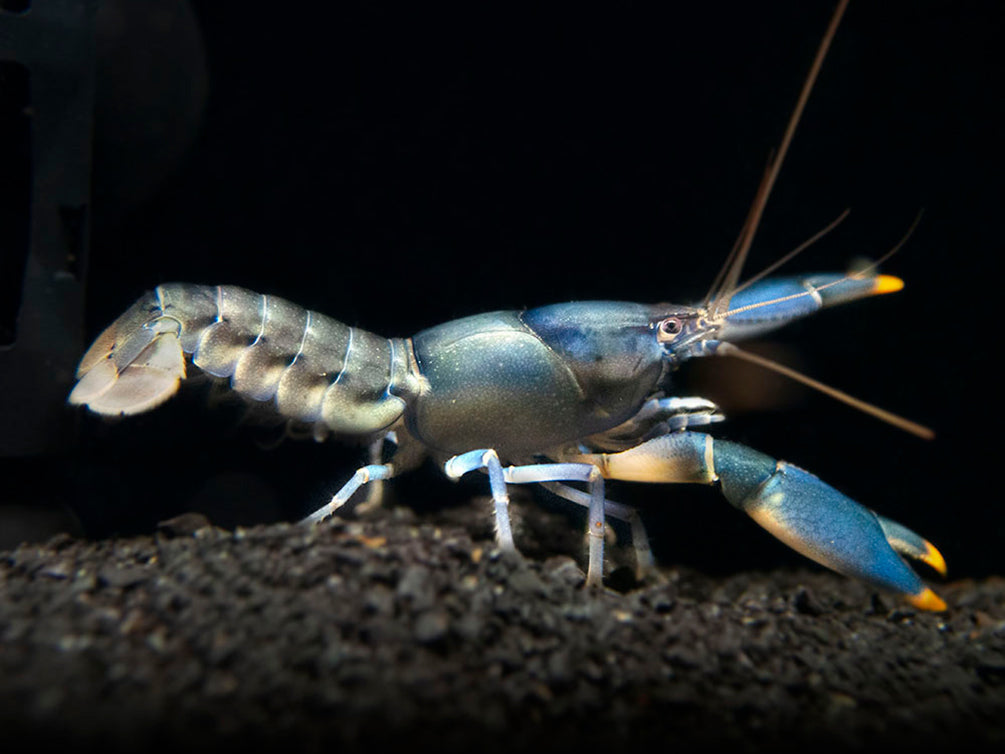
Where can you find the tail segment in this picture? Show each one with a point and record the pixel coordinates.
(135, 364)
(315, 369)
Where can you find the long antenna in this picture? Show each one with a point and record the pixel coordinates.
(750, 226)
(726, 283)
(792, 254)
(728, 349)
(891, 283)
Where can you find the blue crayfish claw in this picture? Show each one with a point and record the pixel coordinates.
(799, 509)
(816, 520)
(774, 302)
(761, 306)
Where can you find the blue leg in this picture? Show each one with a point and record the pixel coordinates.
(548, 472)
(644, 562)
(364, 475)
(487, 459)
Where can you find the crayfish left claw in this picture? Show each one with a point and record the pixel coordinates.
(826, 526)
(808, 515)
(906, 542)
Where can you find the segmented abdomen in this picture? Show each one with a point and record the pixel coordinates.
(314, 367)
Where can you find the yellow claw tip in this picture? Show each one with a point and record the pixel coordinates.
(927, 600)
(887, 284)
(933, 558)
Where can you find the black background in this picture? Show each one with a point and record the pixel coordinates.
(395, 167)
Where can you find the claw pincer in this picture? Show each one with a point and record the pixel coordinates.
(795, 506)
(771, 303)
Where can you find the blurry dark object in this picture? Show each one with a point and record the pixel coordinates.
(150, 95)
(46, 102)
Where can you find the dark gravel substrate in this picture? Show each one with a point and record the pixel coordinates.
(391, 629)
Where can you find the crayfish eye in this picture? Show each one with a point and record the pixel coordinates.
(669, 328)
